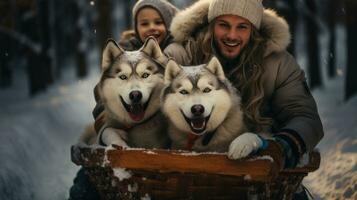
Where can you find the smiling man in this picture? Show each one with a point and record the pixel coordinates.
(250, 43)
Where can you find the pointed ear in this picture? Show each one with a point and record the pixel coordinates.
(215, 67)
(171, 71)
(111, 51)
(152, 48)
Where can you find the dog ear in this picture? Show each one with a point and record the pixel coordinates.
(215, 67)
(152, 48)
(171, 71)
(111, 51)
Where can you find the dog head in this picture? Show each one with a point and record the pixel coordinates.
(131, 81)
(197, 99)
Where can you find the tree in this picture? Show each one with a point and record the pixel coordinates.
(351, 22)
(313, 51)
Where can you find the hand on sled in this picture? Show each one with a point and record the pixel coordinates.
(112, 136)
(245, 145)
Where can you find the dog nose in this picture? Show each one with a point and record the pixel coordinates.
(135, 96)
(197, 110)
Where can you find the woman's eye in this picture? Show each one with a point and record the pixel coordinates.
(123, 77)
(207, 90)
(145, 75)
(184, 92)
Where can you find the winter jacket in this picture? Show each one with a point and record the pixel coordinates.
(287, 99)
(130, 41)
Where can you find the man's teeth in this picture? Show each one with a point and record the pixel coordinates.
(231, 44)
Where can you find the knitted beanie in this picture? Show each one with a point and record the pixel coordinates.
(251, 10)
(166, 10)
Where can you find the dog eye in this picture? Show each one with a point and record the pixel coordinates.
(207, 90)
(145, 75)
(184, 92)
(123, 77)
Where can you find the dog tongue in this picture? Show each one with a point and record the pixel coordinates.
(136, 112)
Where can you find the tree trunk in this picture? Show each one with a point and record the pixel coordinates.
(313, 51)
(351, 80)
(331, 22)
(104, 22)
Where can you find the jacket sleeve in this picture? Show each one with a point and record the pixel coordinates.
(294, 108)
(180, 53)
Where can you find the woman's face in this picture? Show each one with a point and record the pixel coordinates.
(231, 34)
(150, 23)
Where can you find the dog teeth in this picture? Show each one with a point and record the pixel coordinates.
(193, 125)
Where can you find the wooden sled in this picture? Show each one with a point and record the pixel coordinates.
(164, 174)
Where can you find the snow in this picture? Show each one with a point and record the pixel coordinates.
(146, 197)
(121, 173)
(262, 158)
(37, 134)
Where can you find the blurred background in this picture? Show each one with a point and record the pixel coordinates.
(49, 65)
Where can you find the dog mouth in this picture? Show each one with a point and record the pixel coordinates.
(197, 123)
(136, 111)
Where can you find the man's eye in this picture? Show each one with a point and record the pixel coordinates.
(184, 92)
(123, 77)
(145, 75)
(207, 90)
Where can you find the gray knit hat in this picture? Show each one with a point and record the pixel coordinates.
(251, 10)
(166, 10)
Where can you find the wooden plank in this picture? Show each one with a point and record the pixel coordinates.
(164, 161)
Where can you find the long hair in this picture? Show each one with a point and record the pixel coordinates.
(246, 76)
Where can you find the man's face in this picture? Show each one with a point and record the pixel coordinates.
(231, 34)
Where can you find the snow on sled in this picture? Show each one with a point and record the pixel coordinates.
(130, 173)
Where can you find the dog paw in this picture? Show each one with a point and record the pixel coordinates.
(113, 136)
(243, 145)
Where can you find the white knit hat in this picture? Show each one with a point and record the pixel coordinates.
(251, 10)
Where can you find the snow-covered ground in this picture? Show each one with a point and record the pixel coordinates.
(36, 135)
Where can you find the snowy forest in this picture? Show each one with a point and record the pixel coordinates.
(49, 65)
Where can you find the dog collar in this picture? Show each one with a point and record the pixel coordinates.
(191, 139)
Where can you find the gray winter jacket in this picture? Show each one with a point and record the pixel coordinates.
(287, 100)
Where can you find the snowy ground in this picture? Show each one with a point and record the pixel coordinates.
(36, 135)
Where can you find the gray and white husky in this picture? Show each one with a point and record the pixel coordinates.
(130, 88)
(204, 110)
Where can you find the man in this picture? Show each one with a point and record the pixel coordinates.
(250, 43)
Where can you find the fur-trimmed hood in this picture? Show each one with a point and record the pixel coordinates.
(273, 27)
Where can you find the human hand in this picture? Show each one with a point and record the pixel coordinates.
(244, 145)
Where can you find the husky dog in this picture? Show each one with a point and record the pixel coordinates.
(130, 88)
(203, 108)
(204, 111)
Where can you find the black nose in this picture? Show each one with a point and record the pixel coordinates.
(197, 110)
(135, 96)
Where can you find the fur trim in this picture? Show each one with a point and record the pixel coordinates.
(276, 29)
(273, 27)
(186, 21)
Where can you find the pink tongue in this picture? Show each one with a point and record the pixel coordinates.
(137, 117)
(136, 112)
